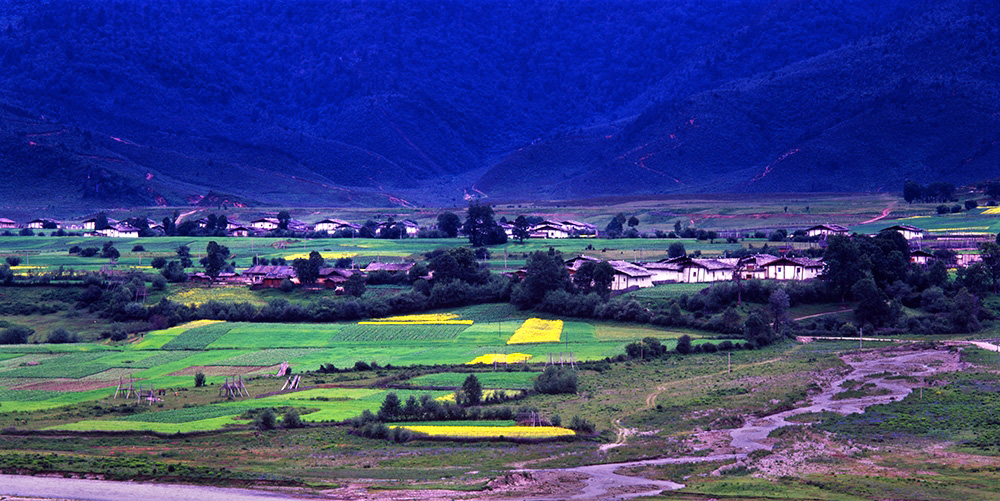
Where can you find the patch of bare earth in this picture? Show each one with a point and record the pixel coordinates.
(225, 370)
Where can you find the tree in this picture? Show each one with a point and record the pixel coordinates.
(138, 248)
(676, 249)
(615, 226)
(971, 204)
(473, 390)
(265, 420)
(13, 260)
(604, 276)
(964, 314)
(199, 380)
(479, 224)
(216, 259)
(522, 228)
(174, 272)
(355, 285)
(291, 419)
(158, 263)
(391, 408)
(990, 253)
(583, 279)
(101, 222)
(873, 304)
(633, 222)
(993, 189)
(449, 223)
(17, 334)
(283, 219)
(108, 251)
(841, 263)
(308, 269)
(544, 272)
(778, 302)
(684, 345)
(912, 191)
(756, 329)
(556, 380)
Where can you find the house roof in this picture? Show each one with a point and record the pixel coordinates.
(389, 266)
(663, 265)
(265, 220)
(337, 272)
(271, 271)
(796, 261)
(549, 226)
(627, 268)
(920, 252)
(831, 227)
(903, 227)
(6, 221)
(575, 262)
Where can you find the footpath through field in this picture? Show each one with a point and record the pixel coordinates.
(78, 488)
(880, 368)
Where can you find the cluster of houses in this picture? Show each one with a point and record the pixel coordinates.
(698, 270)
(272, 276)
(555, 229)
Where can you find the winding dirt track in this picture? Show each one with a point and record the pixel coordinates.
(872, 367)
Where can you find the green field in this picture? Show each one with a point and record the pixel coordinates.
(35, 377)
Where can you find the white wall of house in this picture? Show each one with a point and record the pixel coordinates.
(264, 225)
(623, 281)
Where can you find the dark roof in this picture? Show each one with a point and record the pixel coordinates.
(831, 227)
(627, 268)
(341, 272)
(903, 227)
(271, 271)
(389, 266)
(920, 252)
(800, 261)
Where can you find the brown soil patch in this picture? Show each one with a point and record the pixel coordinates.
(66, 385)
(226, 370)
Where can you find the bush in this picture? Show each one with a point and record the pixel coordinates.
(581, 425)
(158, 262)
(89, 252)
(265, 420)
(138, 248)
(199, 380)
(13, 260)
(61, 336)
(555, 420)
(291, 419)
(684, 345)
(17, 334)
(159, 283)
(556, 380)
(75, 249)
(286, 285)
(118, 335)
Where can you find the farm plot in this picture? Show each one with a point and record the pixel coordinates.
(472, 431)
(70, 365)
(156, 339)
(500, 358)
(613, 332)
(257, 336)
(200, 337)
(382, 332)
(536, 330)
(503, 380)
(200, 295)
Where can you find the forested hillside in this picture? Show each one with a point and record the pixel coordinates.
(375, 102)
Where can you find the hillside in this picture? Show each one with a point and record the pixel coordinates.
(410, 103)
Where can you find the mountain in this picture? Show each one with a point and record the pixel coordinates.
(386, 102)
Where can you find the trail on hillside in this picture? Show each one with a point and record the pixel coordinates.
(885, 212)
(814, 315)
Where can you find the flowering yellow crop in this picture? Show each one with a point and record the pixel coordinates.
(492, 431)
(536, 330)
(992, 210)
(198, 296)
(500, 358)
(486, 394)
(423, 319)
(326, 255)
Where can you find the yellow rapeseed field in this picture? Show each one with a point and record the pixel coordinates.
(326, 255)
(492, 431)
(421, 319)
(536, 330)
(198, 296)
(992, 210)
(486, 394)
(500, 358)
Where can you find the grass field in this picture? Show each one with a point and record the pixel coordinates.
(37, 377)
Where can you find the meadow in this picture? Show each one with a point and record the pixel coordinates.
(49, 377)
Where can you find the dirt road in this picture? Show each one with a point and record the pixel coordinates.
(874, 367)
(83, 489)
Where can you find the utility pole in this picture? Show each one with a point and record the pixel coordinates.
(861, 332)
(729, 356)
